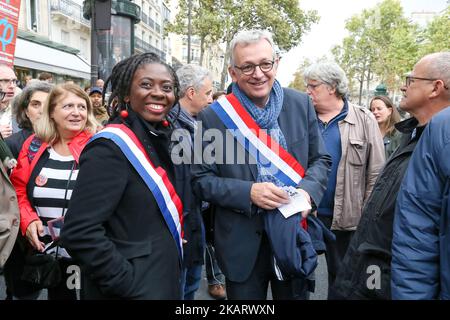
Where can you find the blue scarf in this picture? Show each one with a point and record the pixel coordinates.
(267, 119)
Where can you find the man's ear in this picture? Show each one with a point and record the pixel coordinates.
(232, 73)
(126, 99)
(190, 92)
(438, 88)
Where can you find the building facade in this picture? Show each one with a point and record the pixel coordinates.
(53, 37)
(149, 32)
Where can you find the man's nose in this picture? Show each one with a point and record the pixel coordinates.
(258, 72)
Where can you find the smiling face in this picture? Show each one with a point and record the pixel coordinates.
(152, 92)
(70, 115)
(258, 85)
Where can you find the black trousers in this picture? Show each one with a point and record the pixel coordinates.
(335, 251)
(255, 287)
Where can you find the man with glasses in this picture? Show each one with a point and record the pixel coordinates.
(354, 141)
(421, 240)
(366, 268)
(247, 194)
(8, 85)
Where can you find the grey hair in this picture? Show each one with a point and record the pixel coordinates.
(246, 37)
(21, 102)
(329, 73)
(439, 67)
(191, 75)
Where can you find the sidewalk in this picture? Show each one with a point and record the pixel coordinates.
(202, 293)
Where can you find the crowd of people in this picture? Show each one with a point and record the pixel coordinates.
(144, 178)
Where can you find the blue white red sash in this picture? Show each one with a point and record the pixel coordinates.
(256, 141)
(156, 179)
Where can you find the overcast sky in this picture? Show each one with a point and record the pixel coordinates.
(331, 28)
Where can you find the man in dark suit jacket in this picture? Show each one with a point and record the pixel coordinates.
(240, 194)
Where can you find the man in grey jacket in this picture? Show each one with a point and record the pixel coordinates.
(353, 140)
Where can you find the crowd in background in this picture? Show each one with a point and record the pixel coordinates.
(89, 179)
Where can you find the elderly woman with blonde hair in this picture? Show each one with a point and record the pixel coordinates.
(46, 173)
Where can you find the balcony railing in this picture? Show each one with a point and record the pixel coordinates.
(147, 47)
(70, 9)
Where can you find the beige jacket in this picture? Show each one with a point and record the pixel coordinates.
(361, 161)
(9, 216)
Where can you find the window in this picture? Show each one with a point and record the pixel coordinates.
(157, 43)
(32, 8)
(84, 47)
(65, 37)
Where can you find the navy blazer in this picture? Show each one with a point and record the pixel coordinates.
(238, 229)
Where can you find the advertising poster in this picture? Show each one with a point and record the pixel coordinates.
(9, 19)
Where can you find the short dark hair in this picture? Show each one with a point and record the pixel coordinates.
(217, 94)
(45, 76)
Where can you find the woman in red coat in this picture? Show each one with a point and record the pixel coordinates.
(47, 170)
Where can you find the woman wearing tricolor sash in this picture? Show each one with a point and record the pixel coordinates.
(124, 222)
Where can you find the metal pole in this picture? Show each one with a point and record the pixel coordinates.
(189, 32)
(94, 47)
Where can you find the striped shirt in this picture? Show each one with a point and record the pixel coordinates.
(49, 192)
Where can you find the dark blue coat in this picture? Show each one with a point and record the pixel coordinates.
(238, 229)
(421, 242)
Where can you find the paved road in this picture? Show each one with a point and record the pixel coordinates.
(202, 293)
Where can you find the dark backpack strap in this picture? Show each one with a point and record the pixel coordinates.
(33, 148)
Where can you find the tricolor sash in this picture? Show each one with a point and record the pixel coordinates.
(156, 180)
(256, 141)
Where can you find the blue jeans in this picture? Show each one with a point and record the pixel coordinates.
(213, 272)
(190, 281)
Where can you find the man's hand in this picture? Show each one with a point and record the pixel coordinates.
(268, 196)
(308, 197)
(5, 130)
(33, 229)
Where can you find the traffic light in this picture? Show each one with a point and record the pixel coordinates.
(102, 15)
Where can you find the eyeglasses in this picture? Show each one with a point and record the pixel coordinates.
(409, 79)
(249, 69)
(312, 87)
(7, 82)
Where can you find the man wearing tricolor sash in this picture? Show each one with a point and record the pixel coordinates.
(277, 131)
(124, 226)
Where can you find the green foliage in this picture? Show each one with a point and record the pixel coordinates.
(220, 20)
(382, 42)
(437, 34)
(298, 82)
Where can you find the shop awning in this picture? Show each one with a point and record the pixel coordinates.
(40, 57)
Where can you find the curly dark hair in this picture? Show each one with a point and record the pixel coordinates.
(121, 78)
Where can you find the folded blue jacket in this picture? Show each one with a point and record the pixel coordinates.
(320, 235)
(291, 245)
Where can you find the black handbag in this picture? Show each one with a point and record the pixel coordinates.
(42, 270)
